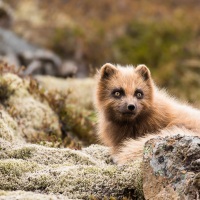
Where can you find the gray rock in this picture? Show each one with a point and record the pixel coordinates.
(6, 17)
(18, 52)
(172, 168)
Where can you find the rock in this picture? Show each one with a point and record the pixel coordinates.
(172, 168)
(11, 43)
(36, 60)
(41, 62)
(68, 68)
(6, 15)
(16, 51)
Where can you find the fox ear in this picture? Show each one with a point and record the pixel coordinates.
(143, 71)
(107, 70)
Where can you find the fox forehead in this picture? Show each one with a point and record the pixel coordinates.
(128, 80)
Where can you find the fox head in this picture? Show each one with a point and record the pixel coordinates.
(123, 93)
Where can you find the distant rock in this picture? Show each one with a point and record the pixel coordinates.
(6, 15)
(172, 168)
(18, 52)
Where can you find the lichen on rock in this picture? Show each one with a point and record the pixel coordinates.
(24, 195)
(35, 118)
(9, 128)
(73, 174)
(172, 168)
(25, 114)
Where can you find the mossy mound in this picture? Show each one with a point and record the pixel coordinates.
(72, 100)
(80, 91)
(9, 128)
(62, 114)
(70, 174)
(23, 195)
(24, 114)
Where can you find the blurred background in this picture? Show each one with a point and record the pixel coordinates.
(62, 43)
(71, 38)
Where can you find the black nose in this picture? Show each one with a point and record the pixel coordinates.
(131, 107)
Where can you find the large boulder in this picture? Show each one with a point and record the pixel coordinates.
(172, 168)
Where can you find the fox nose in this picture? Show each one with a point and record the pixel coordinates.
(131, 107)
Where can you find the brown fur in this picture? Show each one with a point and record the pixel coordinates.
(156, 113)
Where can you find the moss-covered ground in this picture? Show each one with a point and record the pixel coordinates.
(43, 139)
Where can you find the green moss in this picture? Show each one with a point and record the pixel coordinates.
(79, 122)
(21, 153)
(16, 84)
(16, 167)
(71, 33)
(24, 115)
(9, 128)
(38, 182)
(25, 195)
(73, 174)
(5, 90)
(11, 171)
(39, 121)
(72, 100)
(151, 43)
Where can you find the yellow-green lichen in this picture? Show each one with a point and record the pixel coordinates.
(36, 118)
(21, 153)
(16, 85)
(28, 114)
(24, 115)
(9, 128)
(74, 174)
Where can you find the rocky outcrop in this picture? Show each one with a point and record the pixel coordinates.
(172, 168)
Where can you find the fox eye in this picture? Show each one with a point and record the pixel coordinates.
(139, 94)
(118, 93)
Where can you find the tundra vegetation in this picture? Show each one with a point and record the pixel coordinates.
(48, 147)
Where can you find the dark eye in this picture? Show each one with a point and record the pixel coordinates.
(118, 93)
(139, 94)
